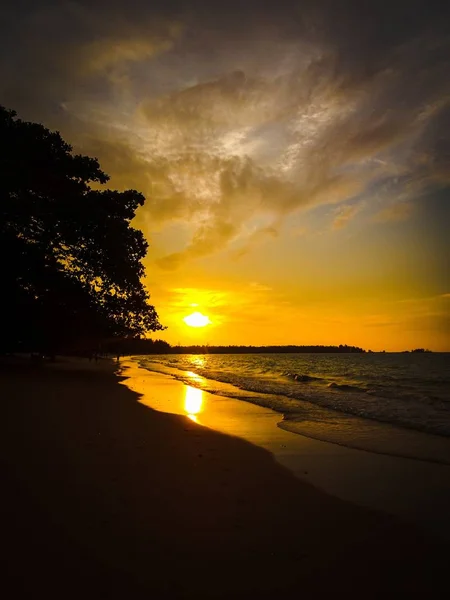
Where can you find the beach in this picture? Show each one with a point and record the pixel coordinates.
(414, 490)
(104, 495)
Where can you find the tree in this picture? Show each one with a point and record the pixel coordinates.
(72, 262)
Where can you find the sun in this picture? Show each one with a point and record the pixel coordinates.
(196, 319)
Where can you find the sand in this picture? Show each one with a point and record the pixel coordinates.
(106, 497)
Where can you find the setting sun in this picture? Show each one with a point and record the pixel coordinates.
(196, 319)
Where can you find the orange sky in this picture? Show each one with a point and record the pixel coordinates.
(294, 156)
(252, 313)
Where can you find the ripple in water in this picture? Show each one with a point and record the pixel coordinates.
(390, 403)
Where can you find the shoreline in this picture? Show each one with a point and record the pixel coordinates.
(106, 496)
(415, 490)
(318, 421)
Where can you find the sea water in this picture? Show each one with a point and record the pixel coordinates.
(381, 402)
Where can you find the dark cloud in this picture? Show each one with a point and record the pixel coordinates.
(248, 111)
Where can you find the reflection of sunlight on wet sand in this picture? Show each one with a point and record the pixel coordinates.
(194, 377)
(193, 402)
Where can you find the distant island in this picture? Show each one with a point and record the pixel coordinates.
(418, 351)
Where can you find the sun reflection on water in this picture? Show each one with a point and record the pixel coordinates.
(193, 402)
(198, 361)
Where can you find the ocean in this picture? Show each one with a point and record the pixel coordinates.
(396, 404)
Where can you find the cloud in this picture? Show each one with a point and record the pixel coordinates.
(74, 50)
(207, 239)
(171, 262)
(99, 55)
(247, 111)
(396, 212)
(344, 214)
(259, 287)
(252, 240)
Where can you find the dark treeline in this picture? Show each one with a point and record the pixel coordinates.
(265, 349)
(148, 346)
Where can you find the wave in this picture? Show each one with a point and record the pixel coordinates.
(338, 389)
(372, 436)
(343, 387)
(303, 378)
(333, 385)
(286, 395)
(324, 413)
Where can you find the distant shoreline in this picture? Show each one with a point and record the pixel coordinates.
(149, 346)
(264, 350)
(282, 350)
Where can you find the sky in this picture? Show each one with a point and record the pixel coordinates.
(295, 156)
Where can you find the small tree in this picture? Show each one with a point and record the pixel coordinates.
(72, 261)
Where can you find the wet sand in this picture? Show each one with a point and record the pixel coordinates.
(105, 497)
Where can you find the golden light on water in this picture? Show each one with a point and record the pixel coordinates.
(193, 402)
(197, 319)
(198, 361)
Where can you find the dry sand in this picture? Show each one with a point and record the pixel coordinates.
(105, 497)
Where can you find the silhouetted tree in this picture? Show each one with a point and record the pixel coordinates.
(72, 261)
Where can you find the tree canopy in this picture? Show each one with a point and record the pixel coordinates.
(72, 262)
